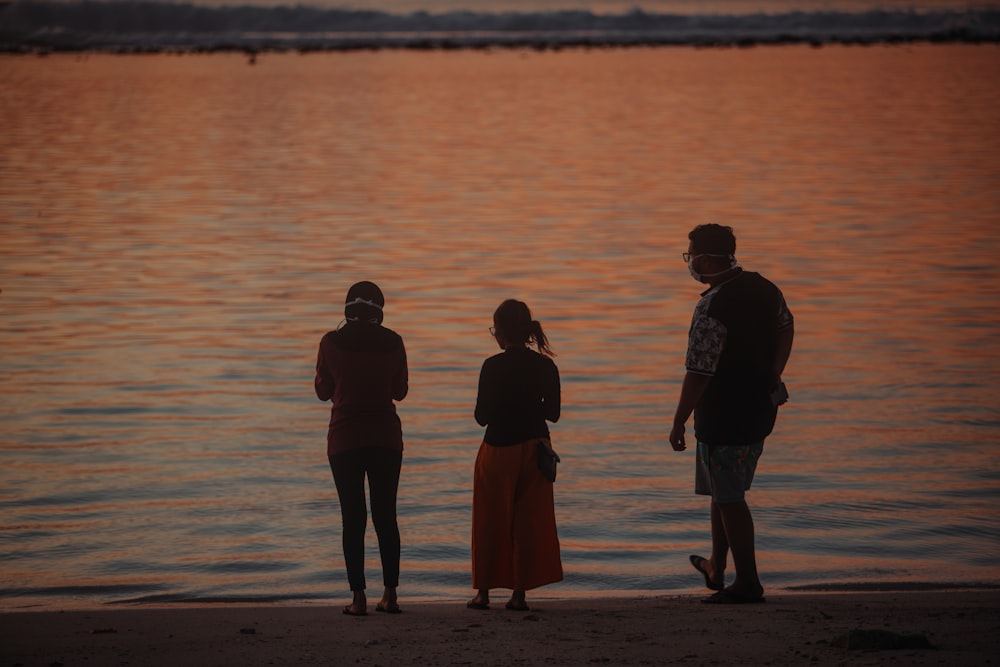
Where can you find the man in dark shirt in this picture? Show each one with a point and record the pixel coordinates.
(739, 342)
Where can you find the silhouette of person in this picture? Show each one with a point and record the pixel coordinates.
(739, 342)
(362, 368)
(515, 544)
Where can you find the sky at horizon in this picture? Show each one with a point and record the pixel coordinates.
(617, 6)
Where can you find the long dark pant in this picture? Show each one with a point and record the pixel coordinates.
(382, 467)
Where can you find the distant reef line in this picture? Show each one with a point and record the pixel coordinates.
(121, 26)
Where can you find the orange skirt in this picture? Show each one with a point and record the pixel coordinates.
(514, 540)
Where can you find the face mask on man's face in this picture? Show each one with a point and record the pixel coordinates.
(702, 277)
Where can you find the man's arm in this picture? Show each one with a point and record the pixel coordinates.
(694, 386)
(783, 350)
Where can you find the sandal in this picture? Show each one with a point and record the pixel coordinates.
(696, 561)
(390, 608)
(727, 596)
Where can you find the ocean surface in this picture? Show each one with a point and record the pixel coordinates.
(178, 232)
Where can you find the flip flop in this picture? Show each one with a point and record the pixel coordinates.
(696, 561)
(472, 604)
(388, 608)
(347, 611)
(517, 607)
(727, 596)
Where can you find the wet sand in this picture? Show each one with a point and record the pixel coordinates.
(957, 627)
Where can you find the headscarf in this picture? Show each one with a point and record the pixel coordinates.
(364, 303)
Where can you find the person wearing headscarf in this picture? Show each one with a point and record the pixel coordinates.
(361, 367)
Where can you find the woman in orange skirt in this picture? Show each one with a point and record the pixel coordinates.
(514, 540)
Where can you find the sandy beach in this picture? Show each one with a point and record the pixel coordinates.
(957, 627)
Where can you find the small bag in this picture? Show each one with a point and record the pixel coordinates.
(547, 460)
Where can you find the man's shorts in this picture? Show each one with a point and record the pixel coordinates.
(725, 472)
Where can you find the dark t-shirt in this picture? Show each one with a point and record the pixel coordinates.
(362, 368)
(733, 339)
(518, 392)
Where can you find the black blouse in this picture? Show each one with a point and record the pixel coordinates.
(518, 392)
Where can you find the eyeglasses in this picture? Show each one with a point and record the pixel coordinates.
(493, 332)
(687, 256)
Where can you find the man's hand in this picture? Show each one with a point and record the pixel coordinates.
(693, 387)
(677, 438)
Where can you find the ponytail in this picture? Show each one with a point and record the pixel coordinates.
(541, 341)
(514, 318)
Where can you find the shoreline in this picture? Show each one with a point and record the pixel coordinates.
(40, 602)
(913, 627)
(90, 45)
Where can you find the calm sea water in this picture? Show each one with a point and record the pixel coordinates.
(176, 234)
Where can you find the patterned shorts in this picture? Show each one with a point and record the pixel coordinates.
(726, 472)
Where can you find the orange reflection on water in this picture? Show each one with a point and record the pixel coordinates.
(176, 240)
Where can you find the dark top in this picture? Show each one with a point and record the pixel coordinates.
(362, 367)
(733, 339)
(518, 391)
